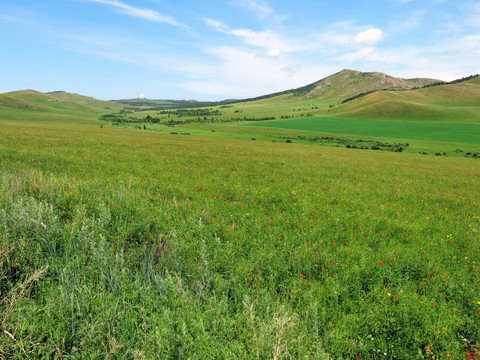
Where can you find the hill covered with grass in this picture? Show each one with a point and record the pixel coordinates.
(349, 83)
(62, 106)
(450, 102)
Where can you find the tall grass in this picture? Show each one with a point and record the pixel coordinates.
(115, 245)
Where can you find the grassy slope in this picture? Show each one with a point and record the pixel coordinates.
(455, 103)
(33, 105)
(348, 83)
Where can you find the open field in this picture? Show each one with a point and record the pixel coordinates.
(414, 130)
(125, 243)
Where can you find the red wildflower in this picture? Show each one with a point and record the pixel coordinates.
(302, 276)
(381, 262)
(434, 305)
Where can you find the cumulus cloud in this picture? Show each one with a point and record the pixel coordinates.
(146, 14)
(369, 37)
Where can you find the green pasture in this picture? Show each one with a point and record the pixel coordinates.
(426, 131)
(127, 243)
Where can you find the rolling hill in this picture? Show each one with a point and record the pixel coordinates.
(58, 100)
(374, 95)
(459, 103)
(60, 105)
(349, 83)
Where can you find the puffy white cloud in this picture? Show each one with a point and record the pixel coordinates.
(369, 37)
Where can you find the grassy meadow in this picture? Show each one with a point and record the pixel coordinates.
(439, 120)
(129, 244)
(409, 130)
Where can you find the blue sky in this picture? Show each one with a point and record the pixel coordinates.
(214, 50)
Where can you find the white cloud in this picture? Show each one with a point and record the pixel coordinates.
(264, 39)
(259, 6)
(403, 24)
(369, 37)
(474, 18)
(401, 1)
(217, 25)
(359, 55)
(146, 14)
(274, 52)
(469, 45)
(270, 40)
(241, 73)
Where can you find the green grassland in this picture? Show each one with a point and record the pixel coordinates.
(457, 133)
(122, 242)
(439, 119)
